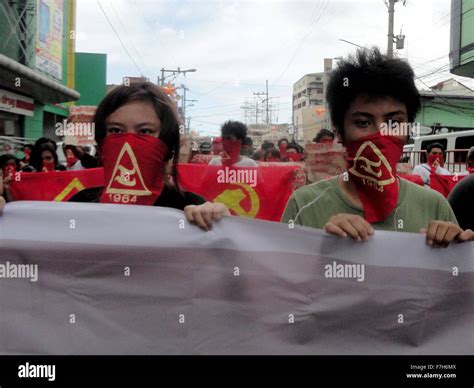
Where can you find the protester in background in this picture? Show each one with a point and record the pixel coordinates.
(27, 150)
(258, 155)
(72, 161)
(434, 165)
(282, 145)
(324, 136)
(272, 155)
(9, 165)
(205, 148)
(217, 146)
(233, 137)
(45, 159)
(87, 160)
(370, 196)
(247, 148)
(266, 145)
(294, 152)
(137, 131)
(470, 161)
(194, 152)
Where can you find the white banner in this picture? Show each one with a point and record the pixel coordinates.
(113, 279)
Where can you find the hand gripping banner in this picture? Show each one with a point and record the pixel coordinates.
(109, 279)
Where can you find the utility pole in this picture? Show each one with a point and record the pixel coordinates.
(266, 100)
(173, 71)
(184, 104)
(268, 121)
(390, 35)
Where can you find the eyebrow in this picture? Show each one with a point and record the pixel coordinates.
(371, 115)
(137, 125)
(147, 123)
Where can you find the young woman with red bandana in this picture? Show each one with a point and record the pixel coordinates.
(137, 130)
(365, 93)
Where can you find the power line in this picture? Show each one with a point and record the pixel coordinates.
(126, 32)
(118, 37)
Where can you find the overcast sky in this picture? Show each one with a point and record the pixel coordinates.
(237, 45)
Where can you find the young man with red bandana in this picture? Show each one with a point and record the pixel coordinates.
(365, 93)
(434, 165)
(234, 134)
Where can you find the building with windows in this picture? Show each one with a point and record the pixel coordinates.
(36, 65)
(309, 106)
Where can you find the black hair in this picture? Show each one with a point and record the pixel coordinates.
(282, 140)
(272, 152)
(434, 145)
(37, 161)
(45, 140)
(5, 158)
(30, 146)
(294, 146)
(248, 141)
(164, 108)
(323, 133)
(372, 74)
(266, 145)
(236, 128)
(258, 155)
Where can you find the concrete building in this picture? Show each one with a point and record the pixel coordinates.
(309, 106)
(36, 65)
(461, 53)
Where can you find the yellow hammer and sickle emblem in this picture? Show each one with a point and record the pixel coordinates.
(371, 174)
(233, 198)
(74, 184)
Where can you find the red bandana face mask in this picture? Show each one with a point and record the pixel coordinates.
(9, 170)
(371, 163)
(231, 153)
(27, 153)
(71, 160)
(470, 167)
(294, 157)
(432, 159)
(133, 169)
(282, 148)
(48, 166)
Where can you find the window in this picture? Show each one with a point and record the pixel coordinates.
(463, 143)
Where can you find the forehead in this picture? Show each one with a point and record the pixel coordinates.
(377, 106)
(134, 110)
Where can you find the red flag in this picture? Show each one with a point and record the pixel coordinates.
(254, 192)
(444, 183)
(414, 178)
(54, 186)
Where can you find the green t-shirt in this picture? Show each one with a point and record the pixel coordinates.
(417, 206)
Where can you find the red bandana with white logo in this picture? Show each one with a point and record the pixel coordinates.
(371, 163)
(133, 169)
(231, 153)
